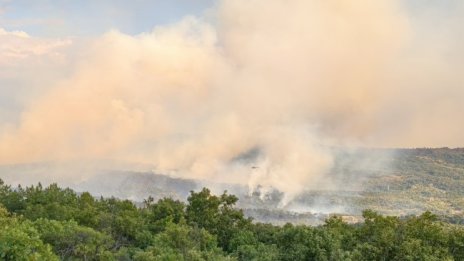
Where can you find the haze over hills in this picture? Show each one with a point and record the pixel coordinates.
(198, 95)
(390, 181)
(301, 109)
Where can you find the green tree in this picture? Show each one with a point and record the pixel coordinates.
(19, 240)
(377, 237)
(216, 214)
(69, 240)
(181, 242)
(12, 200)
(52, 203)
(124, 222)
(164, 212)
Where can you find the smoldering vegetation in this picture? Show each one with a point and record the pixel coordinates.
(390, 181)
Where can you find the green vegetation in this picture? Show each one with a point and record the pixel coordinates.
(51, 223)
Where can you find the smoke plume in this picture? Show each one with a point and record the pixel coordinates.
(256, 92)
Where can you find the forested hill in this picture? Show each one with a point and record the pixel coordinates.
(51, 223)
(395, 182)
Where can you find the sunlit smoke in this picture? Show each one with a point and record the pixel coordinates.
(287, 79)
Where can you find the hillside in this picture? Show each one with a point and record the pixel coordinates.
(420, 179)
(51, 223)
(393, 182)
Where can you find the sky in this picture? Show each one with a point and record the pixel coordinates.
(194, 85)
(59, 21)
(59, 18)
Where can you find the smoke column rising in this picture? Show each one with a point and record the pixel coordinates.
(288, 79)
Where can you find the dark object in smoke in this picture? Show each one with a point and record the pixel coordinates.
(249, 157)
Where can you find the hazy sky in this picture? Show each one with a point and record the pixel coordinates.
(193, 86)
(167, 81)
(50, 20)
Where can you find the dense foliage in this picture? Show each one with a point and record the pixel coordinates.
(51, 223)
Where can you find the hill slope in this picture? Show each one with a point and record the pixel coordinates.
(390, 181)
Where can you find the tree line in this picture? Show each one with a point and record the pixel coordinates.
(52, 223)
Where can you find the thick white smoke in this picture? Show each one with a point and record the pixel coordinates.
(286, 79)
